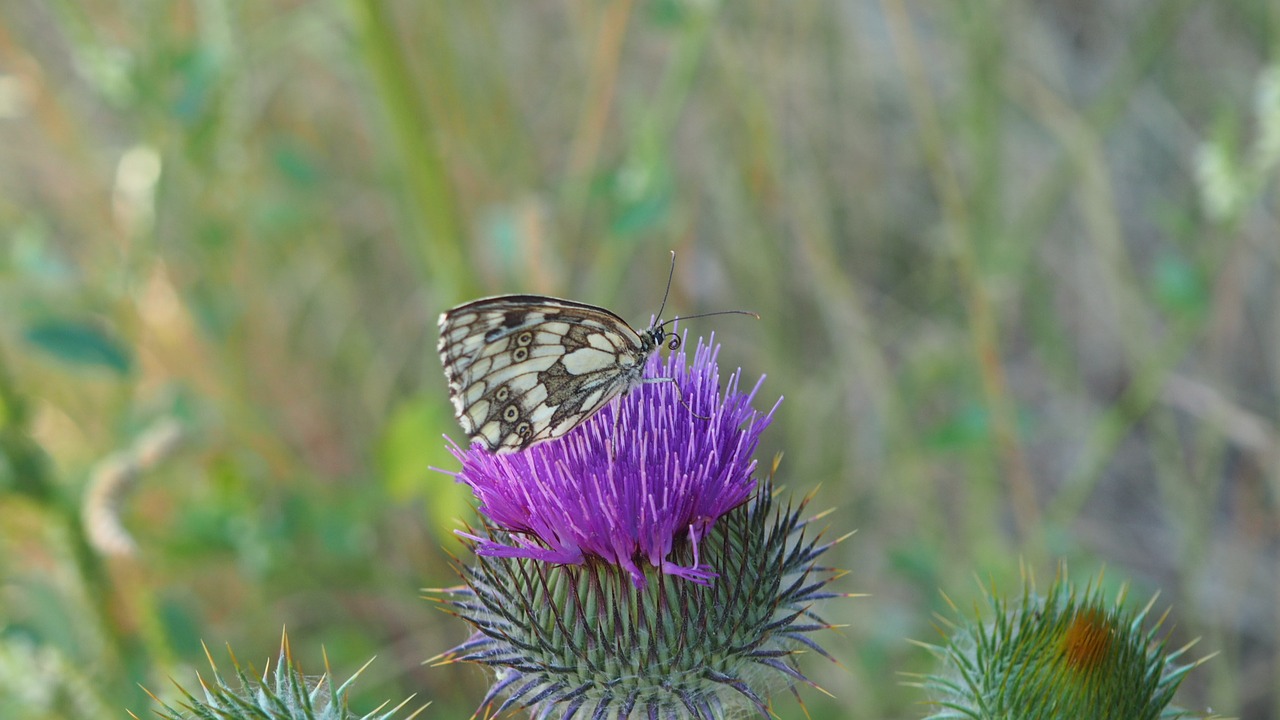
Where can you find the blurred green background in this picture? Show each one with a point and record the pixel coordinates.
(1018, 265)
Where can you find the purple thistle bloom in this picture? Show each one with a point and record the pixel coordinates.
(590, 597)
(643, 472)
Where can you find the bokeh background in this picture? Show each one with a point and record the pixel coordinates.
(1017, 265)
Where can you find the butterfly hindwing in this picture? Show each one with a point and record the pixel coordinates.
(526, 368)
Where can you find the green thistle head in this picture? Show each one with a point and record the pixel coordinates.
(285, 694)
(1063, 656)
(586, 641)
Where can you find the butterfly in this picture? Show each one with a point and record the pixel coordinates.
(523, 369)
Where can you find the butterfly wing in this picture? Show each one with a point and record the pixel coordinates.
(527, 368)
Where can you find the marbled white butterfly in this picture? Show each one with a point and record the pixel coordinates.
(527, 368)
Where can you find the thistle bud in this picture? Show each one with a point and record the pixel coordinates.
(280, 694)
(1062, 656)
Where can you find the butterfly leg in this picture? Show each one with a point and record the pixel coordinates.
(613, 436)
(678, 392)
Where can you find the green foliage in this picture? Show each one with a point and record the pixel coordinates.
(39, 682)
(405, 461)
(79, 343)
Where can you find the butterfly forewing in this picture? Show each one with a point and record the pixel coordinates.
(527, 368)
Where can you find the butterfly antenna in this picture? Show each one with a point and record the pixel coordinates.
(702, 315)
(670, 274)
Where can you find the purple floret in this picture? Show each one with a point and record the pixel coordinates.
(631, 481)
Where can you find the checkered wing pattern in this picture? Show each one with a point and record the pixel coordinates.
(527, 368)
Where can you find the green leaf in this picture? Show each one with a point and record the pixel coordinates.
(412, 443)
(79, 343)
(968, 427)
(1179, 288)
(641, 192)
(293, 161)
(642, 214)
(198, 72)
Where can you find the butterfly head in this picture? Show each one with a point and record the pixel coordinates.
(656, 336)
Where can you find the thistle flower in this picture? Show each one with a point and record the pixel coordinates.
(628, 570)
(285, 694)
(1060, 657)
(643, 472)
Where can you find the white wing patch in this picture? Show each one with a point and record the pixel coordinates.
(588, 360)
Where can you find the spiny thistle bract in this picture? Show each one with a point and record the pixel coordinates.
(678, 594)
(1063, 656)
(285, 694)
